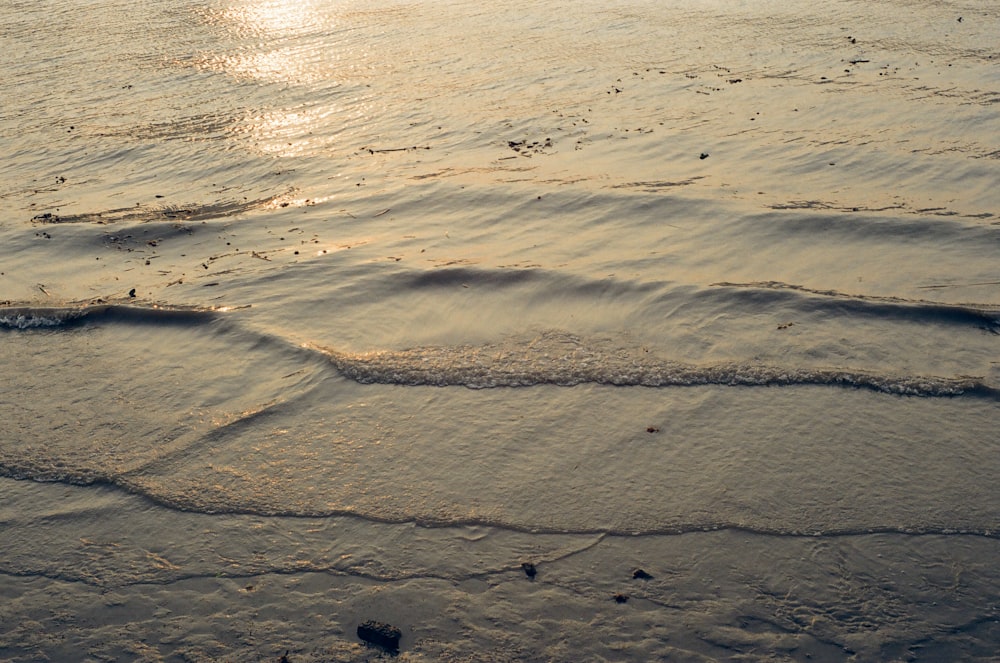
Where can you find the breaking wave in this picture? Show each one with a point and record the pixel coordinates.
(553, 358)
(560, 359)
(36, 317)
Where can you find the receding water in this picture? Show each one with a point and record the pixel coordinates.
(319, 312)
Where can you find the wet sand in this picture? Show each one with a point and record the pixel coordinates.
(453, 317)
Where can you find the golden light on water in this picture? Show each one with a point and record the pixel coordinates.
(288, 42)
(272, 40)
(272, 17)
(301, 131)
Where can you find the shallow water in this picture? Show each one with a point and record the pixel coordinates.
(320, 312)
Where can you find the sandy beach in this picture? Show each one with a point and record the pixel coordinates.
(629, 331)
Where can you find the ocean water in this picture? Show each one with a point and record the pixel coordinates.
(317, 312)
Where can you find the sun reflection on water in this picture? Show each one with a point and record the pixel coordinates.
(308, 47)
(290, 132)
(280, 41)
(271, 17)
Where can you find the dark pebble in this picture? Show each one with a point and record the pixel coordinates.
(131, 293)
(621, 598)
(529, 569)
(704, 155)
(381, 635)
(639, 574)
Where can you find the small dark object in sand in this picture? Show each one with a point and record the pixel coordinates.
(639, 574)
(621, 598)
(131, 293)
(652, 429)
(284, 658)
(383, 635)
(704, 155)
(529, 569)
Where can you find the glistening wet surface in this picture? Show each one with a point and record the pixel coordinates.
(456, 317)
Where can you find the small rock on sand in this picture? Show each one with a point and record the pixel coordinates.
(379, 634)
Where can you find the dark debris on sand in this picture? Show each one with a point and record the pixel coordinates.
(380, 635)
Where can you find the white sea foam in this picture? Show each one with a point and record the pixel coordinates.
(557, 358)
(30, 321)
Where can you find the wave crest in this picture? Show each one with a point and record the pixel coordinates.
(40, 317)
(564, 360)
